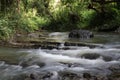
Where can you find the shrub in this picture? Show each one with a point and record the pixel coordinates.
(5, 29)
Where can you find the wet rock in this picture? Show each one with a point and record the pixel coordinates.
(114, 76)
(115, 68)
(44, 75)
(47, 75)
(31, 61)
(86, 75)
(115, 72)
(83, 34)
(68, 76)
(19, 77)
(50, 47)
(65, 48)
(82, 44)
(107, 58)
(32, 76)
(35, 35)
(90, 56)
(96, 56)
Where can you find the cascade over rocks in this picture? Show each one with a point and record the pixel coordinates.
(83, 34)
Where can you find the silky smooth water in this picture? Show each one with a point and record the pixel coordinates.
(18, 64)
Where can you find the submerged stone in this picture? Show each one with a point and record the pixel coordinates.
(90, 56)
(95, 56)
(86, 75)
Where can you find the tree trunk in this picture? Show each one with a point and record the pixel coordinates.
(18, 6)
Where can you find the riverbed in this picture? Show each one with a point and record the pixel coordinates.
(75, 63)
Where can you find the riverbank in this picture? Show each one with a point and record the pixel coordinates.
(50, 40)
(45, 40)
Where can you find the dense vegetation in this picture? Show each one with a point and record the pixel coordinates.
(18, 16)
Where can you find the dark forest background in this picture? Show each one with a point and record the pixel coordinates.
(24, 16)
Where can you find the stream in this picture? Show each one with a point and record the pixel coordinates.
(76, 63)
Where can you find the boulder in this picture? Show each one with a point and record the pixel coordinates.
(83, 34)
(87, 75)
(90, 56)
(96, 56)
(67, 75)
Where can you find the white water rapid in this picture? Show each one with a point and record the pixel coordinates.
(45, 64)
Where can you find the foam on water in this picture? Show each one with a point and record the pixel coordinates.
(58, 36)
(62, 60)
(62, 57)
(54, 61)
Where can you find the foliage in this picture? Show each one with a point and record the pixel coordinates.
(5, 31)
(55, 15)
(65, 15)
(106, 21)
(30, 22)
(28, 19)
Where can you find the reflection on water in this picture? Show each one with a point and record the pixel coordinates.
(20, 64)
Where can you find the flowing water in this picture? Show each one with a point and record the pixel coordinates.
(75, 63)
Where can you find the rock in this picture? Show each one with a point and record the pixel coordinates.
(115, 68)
(95, 56)
(31, 61)
(44, 75)
(32, 76)
(33, 35)
(82, 44)
(90, 56)
(86, 75)
(67, 75)
(83, 34)
(115, 72)
(47, 75)
(19, 77)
